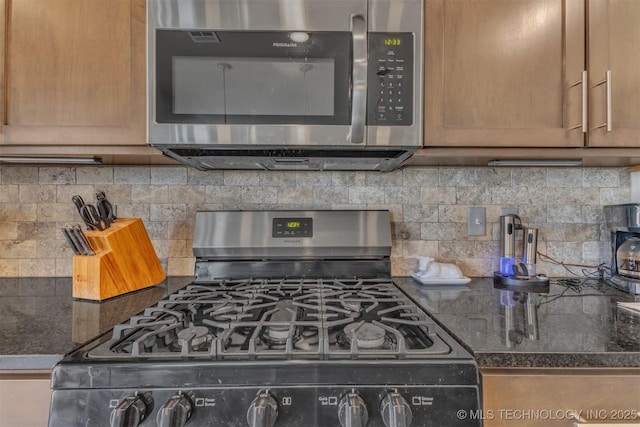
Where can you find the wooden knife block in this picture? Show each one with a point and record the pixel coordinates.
(124, 261)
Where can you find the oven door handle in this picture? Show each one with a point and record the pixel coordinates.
(359, 83)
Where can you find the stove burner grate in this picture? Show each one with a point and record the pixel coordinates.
(272, 319)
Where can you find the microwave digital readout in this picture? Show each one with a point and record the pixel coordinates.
(392, 42)
(292, 227)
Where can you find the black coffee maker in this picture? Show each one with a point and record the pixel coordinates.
(623, 225)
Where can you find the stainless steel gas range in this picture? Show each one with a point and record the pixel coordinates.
(292, 319)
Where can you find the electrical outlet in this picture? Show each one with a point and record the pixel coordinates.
(508, 211)
(476, 222)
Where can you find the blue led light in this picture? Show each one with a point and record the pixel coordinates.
(506, 265)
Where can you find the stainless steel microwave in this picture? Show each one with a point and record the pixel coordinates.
(285, 84)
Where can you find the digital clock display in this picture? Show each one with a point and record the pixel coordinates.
(392, 42)
(292, 227)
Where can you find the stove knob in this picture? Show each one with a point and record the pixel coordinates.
(176, 412)
(352, 412)
(263, 410)
(395, 411)
(132, 411)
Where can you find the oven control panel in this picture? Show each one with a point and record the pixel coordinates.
(292, 227)
(290, 406)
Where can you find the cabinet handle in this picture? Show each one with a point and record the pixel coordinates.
(585, 91)
(579, 421)
(609, 97)
(607, 83)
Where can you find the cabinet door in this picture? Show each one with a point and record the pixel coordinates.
(614, 73)
(2, 68)
(504, 73)
(24, 399)
(528, 397)
(74, 72)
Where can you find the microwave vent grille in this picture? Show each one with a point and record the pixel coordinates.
(204, 36)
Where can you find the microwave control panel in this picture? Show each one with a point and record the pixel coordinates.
(390, 79)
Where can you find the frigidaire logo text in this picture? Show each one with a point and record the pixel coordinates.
(285, 44)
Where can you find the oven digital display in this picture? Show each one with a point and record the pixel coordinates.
(292, 227)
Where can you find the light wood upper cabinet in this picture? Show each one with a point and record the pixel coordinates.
(2, 55)
(74, 72)
(532, 73)
(504, 73)
(614, 46)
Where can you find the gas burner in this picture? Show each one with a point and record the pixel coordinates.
(281, 317)
(277, 334)
(367, 335)
(276, 339)
(279, 324)
(196, 336)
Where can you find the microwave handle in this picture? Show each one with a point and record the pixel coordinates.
(359, 87)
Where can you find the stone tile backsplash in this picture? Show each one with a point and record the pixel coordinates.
(428, 208)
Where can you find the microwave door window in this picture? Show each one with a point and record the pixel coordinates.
(253, 87)
(279, 87)
(198, 85)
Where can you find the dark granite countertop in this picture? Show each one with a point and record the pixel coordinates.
(578, 322)
(40, 322)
